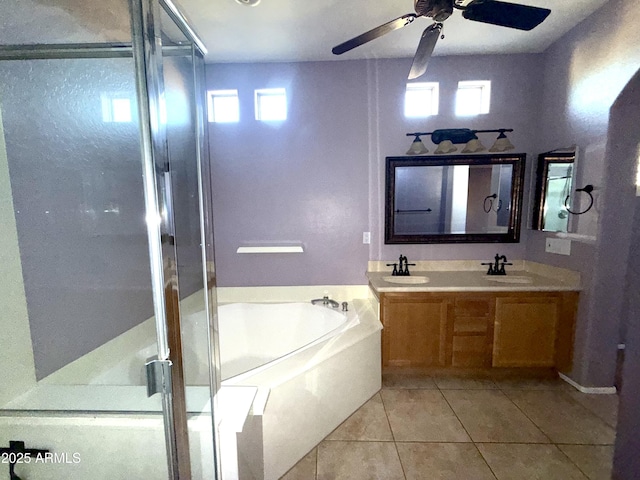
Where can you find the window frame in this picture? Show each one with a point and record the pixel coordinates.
(434, 105)
(485, 96)
(261, 93)
(222, 93)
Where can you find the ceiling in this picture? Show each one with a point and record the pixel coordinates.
(298, 30)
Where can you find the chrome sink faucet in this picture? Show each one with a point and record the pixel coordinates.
(496, 267)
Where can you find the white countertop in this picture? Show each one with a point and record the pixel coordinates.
(539, 278)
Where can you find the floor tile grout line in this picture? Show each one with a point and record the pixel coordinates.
(574, 463)
(485, 461)
(528, 418)
(456, 415)
(395, 443)
(384, 408)
(572, 400)
(469, 435)
(592, 411)
(404, 473)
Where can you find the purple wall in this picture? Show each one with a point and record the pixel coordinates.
(318, 178)
(583, 74)
(303, 180)
(514, 94)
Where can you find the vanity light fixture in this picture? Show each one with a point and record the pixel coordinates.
(474, 145)
(446, 146)
(502, 143)
(417, 147)
(446, 139)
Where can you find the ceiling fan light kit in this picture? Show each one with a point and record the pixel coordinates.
(248, 3)
(494, 12)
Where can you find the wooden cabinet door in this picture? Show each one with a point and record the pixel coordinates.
(414, 331)
(525, 331)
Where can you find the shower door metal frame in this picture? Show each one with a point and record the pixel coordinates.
(147, 52)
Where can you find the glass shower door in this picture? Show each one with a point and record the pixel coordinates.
(174, 70)
(105, 251)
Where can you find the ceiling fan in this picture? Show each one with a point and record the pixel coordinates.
(512, 15)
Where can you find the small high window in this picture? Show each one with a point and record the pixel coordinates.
(223, 106)
(271, 104)
(116, 108)
(421, 99)
(473, 97)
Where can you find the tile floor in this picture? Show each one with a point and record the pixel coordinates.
(422, 427)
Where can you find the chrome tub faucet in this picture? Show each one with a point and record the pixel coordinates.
(325, 301)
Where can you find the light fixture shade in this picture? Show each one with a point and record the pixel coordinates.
(502, 144)
(417, 147)
(474, 145)
(446, 146)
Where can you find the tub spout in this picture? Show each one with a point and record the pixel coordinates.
(326, 301)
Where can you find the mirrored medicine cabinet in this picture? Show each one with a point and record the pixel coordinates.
(555, 178)
(454, 198)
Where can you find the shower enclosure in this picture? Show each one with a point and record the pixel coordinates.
(107, 244)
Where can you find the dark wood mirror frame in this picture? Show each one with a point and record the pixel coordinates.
(512, 235)
(545, 160)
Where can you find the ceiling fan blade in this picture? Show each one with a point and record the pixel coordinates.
(425, 49)
(375, 33)
(512, 15)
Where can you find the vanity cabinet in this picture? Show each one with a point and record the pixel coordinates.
(415, 329)
(477, 329)
(526, 331)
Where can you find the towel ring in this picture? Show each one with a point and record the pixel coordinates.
(491, 198)
(586, 189)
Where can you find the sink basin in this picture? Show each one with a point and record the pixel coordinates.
(410, 280)
(510, 279)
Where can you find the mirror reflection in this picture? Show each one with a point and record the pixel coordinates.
(453, 199)
(555, 178)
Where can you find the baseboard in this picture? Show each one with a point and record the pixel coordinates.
(590, 390)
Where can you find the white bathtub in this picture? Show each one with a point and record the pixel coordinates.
(253, 335)
(312, 367)
(330, 367)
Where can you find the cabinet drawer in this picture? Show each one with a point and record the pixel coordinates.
(473, 307)
(470, 351)
(470, 325)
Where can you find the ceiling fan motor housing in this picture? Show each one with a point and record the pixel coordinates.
(439, 10)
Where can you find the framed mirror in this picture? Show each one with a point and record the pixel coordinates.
(554, 183)
(454, 198)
